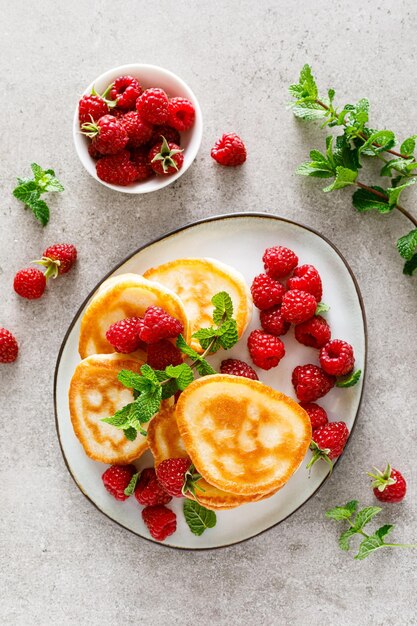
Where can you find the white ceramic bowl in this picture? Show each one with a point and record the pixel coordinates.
(148, 76)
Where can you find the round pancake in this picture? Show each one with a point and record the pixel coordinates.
(95, 393)
(196, 281)
(165, 442)
(243, 436)
(122, 296)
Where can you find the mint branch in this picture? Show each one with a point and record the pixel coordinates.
(29, 191)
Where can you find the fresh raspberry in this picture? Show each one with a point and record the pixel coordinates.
(8, 346)
(148, 491)
(158, 324)
(328, 442)
(266, 350)
(108, 134)
(139, 132)
(266, 292)
(163, 353)
(337, 358)
(172, 474)
(152, 105)
(181, 114)
(234, 367)
(315, 332)
(279, 261)
(170, 134)
(117, 169)
(318, 416)
(298, 306)
(389, 485)
(94, 154)
(116, 478)
(161, 522)
(123, 335)
(91, 106)
(30, 283)
(166, 158)
(139, 158)
(125, 90)
(311, 382)
(306, 278)
(58, 259)
(273, 322)
(229, 150)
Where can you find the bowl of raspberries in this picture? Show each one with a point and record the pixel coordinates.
(137, 128)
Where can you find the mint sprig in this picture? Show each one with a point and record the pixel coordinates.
(29, 191)
(198, 517)
(349, 381)
(130, 489)
(357, 520)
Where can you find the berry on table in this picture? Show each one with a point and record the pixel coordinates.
(306, 278)
(235, 367)
(30, 283)
(58, 259)
(163, 353)
(123, 335)
(266, 292)
(117, 169)
(337, 358)
(152, 105)
(161, 521)
(166, 158)
(108, 134)
(229, 150)
(170, 134)
(328, 442)
(116, 479)
(139, 132)
(315, 332)
(8, 346)
(272, 321)
(318, 416)
(158, 324)
(311, 382)
(279, 261)
(181, 114)
(266, 350)
(389, 485)
(125, 91)
(149, 491)
(298, 306)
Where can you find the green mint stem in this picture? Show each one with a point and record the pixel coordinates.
(361, 532)
(375, 192)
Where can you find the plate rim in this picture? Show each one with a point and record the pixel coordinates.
(166, 235)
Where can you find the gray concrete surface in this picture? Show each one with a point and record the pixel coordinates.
(62, 562)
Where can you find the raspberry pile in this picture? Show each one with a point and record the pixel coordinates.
(134, 133)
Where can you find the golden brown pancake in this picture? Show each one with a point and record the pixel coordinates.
(243, 436)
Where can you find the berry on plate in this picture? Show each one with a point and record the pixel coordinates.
(152, 105)
(176, 476)
(389, 485)
(298, 306)
(311, 382)
(117, 169)
(116, 479)
(123, 335)
(279, 261)
(306, 278)
(8, 346)
(29, 283)
(266, 292)
(272, 321)
(108, 134)
(181, 114)
(149, 491)
(158, 324)
(316, 413)
(266, 350)
(328, 442)
(229, 150)
(234, 367)
(166, 158)
(170, 134)
(58, 259)
(337, 358)
(139, 132)
(163, 353)
(161, 521)
(125, 91)
(315, 332)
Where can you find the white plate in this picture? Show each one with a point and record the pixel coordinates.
(240, 241)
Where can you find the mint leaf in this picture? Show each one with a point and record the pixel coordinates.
(343, 512)
(410, 266)
(38, 172)
(204, 368)
(223, 307)
(399, 165)
(228, 334)
(408, 146)
(350, 380)
(344, 154)
(170, 388)
(316, 169)
(384, 530)
(130, 489)
(130, 379)
(373, 542)
(201, 365)
(205, 336)
(344, 538)
(198, 517)
(344, 177)
(185, 348)
(145, 407)
(385, 139)
(364, 200)
(120, 419)
(40, 210)
(182, 373)
(322, 308)
(26, 192)
(148, 372)
(394, 193)
(407, 244)
(308, 110)
(130, 433)
(365, 515)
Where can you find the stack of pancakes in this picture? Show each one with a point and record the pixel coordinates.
(244, 438)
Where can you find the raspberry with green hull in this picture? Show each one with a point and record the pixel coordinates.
(279, 261)
(306, 278)
(178, 476)
(108, 134)
(389, 485)
(116, 479)
(91, 108)
(328, 442)
(58, 259)
(160, 521)
(29, 283)
(9, 348)
(266, 350)
(266, 292)
(166, 158)
(298, 306)
(311, 382)
(315, 332)
(337, 358)
(125, 91)
(152, 105)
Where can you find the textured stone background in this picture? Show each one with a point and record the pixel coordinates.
(62, 561)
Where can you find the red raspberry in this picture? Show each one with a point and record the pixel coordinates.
(116, 478)
(125, 90)
(337, 358)
(163, 353)
(279, 261)
(181, 114)
(8, 346)
(149, 492)
(108, 134)
(139, 158)
(318, 416)
(315, 332)
(266, 350)
(389, 485)
(91, 106)
(139, 132)
(94, 154)
(306, 278)
(170, 134)
(273, 322)
(266, 292)
(58, 259)
(229, 150)
(234, 367)
(171, 473)
(123, 335)
(329, 442)
(298, 306)
(30, 283)
(152, 105)
(161, 522)
(166, 158)
(117, 169)
(158, 324)
(311, 382)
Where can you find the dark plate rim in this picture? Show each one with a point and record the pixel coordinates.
(214, 218)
